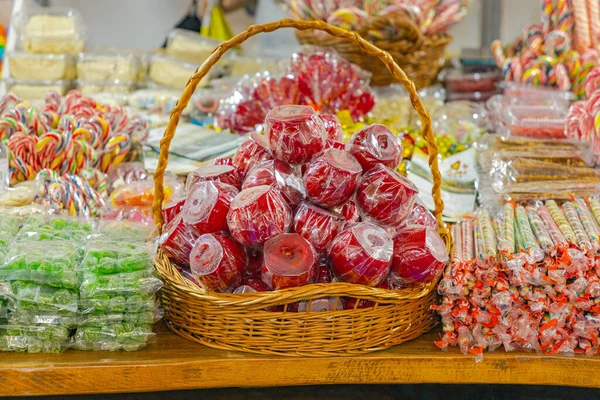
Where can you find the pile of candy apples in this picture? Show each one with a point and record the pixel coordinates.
(297, 206)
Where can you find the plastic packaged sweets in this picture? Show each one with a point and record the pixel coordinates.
(141, 193)
(128, 232)
(157, 100)
(112, 337)
(51, 30)
(45, 67)
(26, 317)
(36, 89)
(34, 338)
(171, 72)
(190, 46)
(44, 298)
(535, 121)
(520, 90)
(9, 224)
(108, 255)
(47, 227)
(205, 103)
(138, 318)
(143, 282)
(458, 82)
(107, 65)
(109, 303)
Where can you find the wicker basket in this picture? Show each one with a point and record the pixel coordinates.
(417, 54)
(239, 322)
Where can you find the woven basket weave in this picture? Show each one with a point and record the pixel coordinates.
(239, 322)
(417, 54)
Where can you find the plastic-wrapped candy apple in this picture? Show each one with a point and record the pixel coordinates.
(255, 259)
(222, 173)
(280, 175)
(420, 215)
(289, 261)
(317, 225)
(223, 161)
(420, 256)
(172, 209)
(333, 127)
(250, 153)
(385, 196)
(258, 214)
(294, 134)
(361, 254)
(375, 144)
(334, 144)
(331, 178)
(207, 206)
(218, 261)
(177, 240)
(348, 210)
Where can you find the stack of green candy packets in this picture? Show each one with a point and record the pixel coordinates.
(118, 286)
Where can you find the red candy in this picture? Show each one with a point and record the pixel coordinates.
(289, 261)
(348, 210)
(255, 259)
(419, 256)
(331, 178)
(207, 206)
(385, 196)
(258, 214)
(222, 173)
(362, 254)
(294, 133)
(420, 215)
(250, 153)
(333, 128)
(280, 175)
(317, 225)
(177, 240)
(172, 209)
(375, 144)
(334, 144)
(223, 161)
(218, 261)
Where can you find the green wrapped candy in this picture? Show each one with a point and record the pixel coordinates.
(105, 257)
(32, 296)
(44, 227)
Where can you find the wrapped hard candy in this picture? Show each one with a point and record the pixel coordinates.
(348, 210)
(177, 240)
(250, 153)
(280, 175)
(333, 127)
(375, 144)
(222, 173)
(317, 225)
(289, 261)
(172, 209)
(207, 206)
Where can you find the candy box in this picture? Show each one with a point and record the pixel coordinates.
(458, 82)
(108, 256)
(111, 302)
(44, 227)
(34, 338)
(44, 298)
(112, 337)
(535, 121)
(50, 67)
(119, 284)
(54, 265)
(190, 46)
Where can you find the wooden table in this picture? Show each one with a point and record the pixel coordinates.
(174, 363)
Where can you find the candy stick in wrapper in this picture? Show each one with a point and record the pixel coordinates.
(555, 233)
(508, 228)
(595, 207)
(478, 240)
(529, 241)
(468, 242)
(587, 220)
(499, 228)
(488, 234)
(581, 237)
(540, 230)
(457, 251)
(561, 221)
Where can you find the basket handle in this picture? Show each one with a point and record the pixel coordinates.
(399, 22)
(253, 30)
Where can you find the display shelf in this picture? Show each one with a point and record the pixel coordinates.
(173, 363)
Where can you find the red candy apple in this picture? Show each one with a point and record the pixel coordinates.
(385, 196)
(333, 128)
(250, 153)
(420, 215)
(258, 214)
(222, 173)
(223, 161)
(331, 178)
(255, 259)
(419, 256)
(361, 254)
(317, 225)
(348, 210)
(294, 133)
(334, 144)
(177, 240)
(207, 206)
(375, 144)
(218, 261)
(289, 261)
(172, 209)
(280, 175)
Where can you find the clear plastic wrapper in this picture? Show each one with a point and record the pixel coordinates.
(101, 88)
(557, 237)
(280, 175)
(594, 204)
(110, 303)
(420, 256)
(459, 82)
(53, 264)
(31, 90)
(51, 30)
(9, 224)
(587, 220)
(124, 174)
(129, 231)
(385, 196)
(207, 206)
(333, 127)
(107, 65)
(468, 240)
(33, 317)
(488, 233)
(258, 214)
(141, 193)
(561, 221)
(294, 134)
(45, 67)
(34, 338)
(540, 230)
(361, 254)
(218, 262)
(148, 317)
(317, 226)
(222, 173)
(172, 209)
(348, 210)
(462, 120)
(535, 121)
(205, 103)
(106, 255)
(44, 298)
(18, 196)
(332, 178)
(190, 46)
(113, 337)
(251, 152)
(177, 240)
(375, 144)
(144, 282)
(171, 72)
(47, 227)
(289, 261)
(519, 90)
(581, 236)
